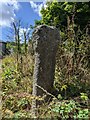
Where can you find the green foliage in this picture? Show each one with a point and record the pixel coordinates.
(84, 114)
(70, 109)
(59, 96)
(8, 74)
(56, 14)
(84, 96)
(23, 103)
(72, 66)
(64, 87)
(16, 88)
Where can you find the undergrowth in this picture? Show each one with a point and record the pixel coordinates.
(17, 96)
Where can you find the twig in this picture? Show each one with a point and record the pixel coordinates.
(45, 91)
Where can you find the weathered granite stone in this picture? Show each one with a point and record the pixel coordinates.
(45, 42)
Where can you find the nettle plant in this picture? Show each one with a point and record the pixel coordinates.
(68, 110)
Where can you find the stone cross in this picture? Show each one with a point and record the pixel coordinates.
(45, 43)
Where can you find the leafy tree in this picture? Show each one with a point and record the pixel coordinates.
(56, 13)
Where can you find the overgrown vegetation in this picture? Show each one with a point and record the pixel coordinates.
(72, 73)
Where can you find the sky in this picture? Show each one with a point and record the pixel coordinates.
(27, 12)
